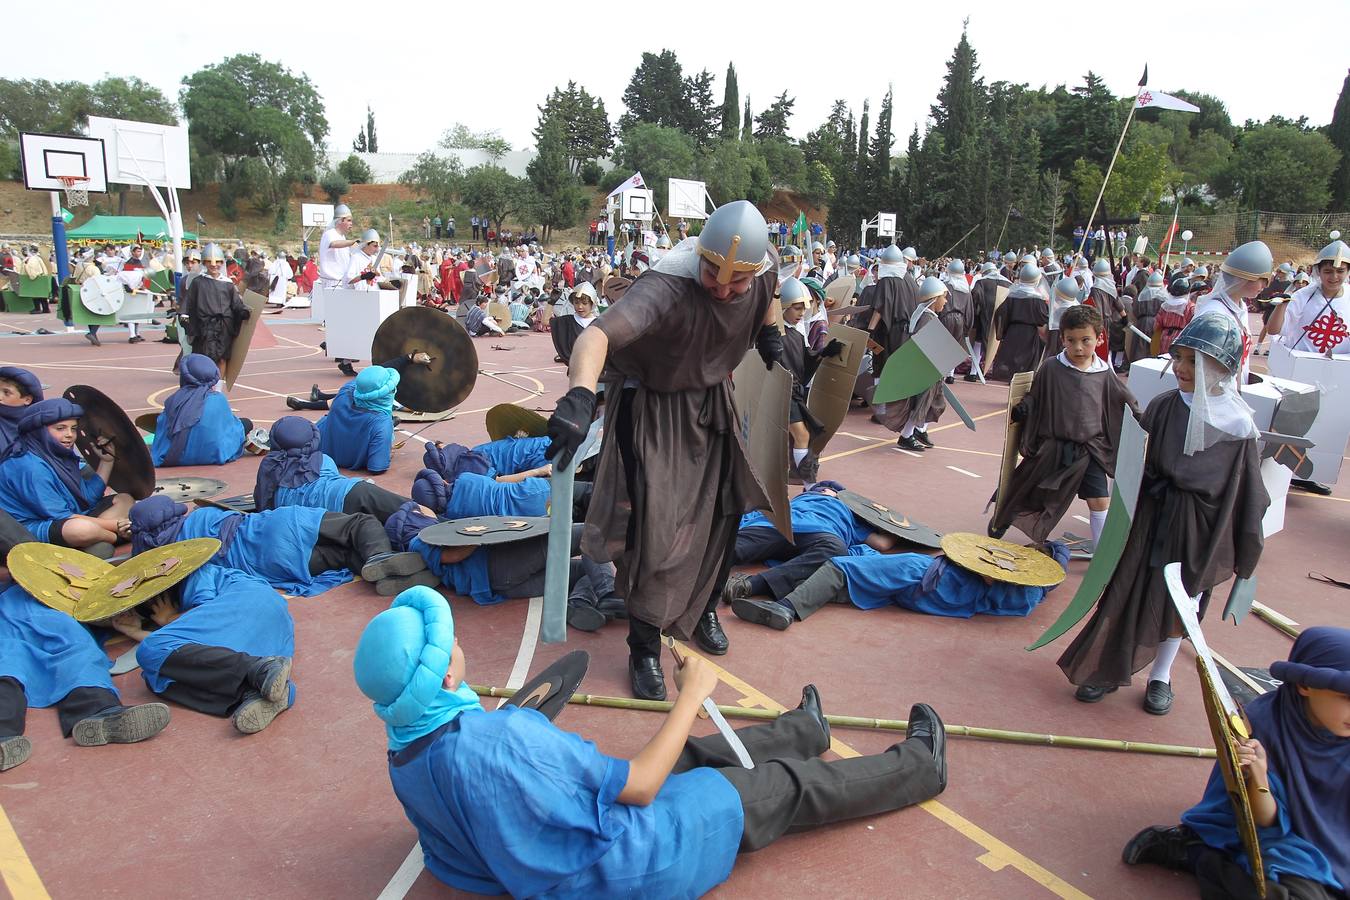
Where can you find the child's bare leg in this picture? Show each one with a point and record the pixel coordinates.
(82, 531)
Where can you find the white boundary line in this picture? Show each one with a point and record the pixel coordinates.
(964, 471)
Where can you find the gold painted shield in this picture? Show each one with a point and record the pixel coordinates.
(509, 420)
(1226, 733)
(56, 576)
(1001, 560)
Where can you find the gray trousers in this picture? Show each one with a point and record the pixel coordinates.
(826, 585)
(516, 569)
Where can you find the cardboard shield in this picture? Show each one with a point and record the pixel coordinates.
(564, 329)
(240, 503)
(501, 314)
(1018, 388)
(991, 340)
(1124, 495)
(105, 423)
(181, 490)
(256, 303)
(478, 530)
(1002, 560)
(919, 363)
(448, 380)
(762, 407)
(889, 521)
(1285, 442)
(840, 291)
(147, 422)
(102, 295)
(509, 420)
(90, 589)
(549, 691)
(832, 387)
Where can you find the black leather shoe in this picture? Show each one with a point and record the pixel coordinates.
(762, 612)
(922, 438)
(648, 681)
(995, 532)
(583, 616)
(908, 443)
(93, 339)
(392, 565)
(346, 369)
(1166, 847)
(293, 403)
(708, 634)
(949, 379)
(972, 377)
(811, 704)
(1312, 487)
(926, 726)
(314, 394)
(1158, 698)
(1092, 693)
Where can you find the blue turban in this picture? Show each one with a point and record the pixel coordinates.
(401, 662)
(431, 490)
(826, 486)
(34, 438)
(294, 460)
(197, 377)
(26, 380)
(156, 521)
(406, 524)
(10, 415)
(374, 388)
(452, 460)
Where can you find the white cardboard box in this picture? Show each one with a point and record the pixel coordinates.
(353, 317)
(1331, 430)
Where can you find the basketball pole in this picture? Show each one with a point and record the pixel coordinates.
(59, 240)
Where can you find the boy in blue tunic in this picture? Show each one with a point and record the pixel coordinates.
(19, 389)
(197, 426)
(223, 648)
(469, 494)
(916, 581)
(358, 432)
(516, 455)
(505, 802)
(296, 473)
(43, 484)
(1296, 766)
(49, 659)
(297, 549)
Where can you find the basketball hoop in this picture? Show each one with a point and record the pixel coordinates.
(75, 196)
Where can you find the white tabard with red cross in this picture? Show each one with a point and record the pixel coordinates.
(1316, 326)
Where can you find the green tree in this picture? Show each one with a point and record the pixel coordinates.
(34, 105)
(355, 170)
(584, 120)
(438, 178)
(559, 199)
(1338, 132)
(659, 153)
(496, 192)
(785, 162)
(655, 94)
(366, 141)
(459, 137)
(258, 125)
(1281, 168)
(701, 112)
(747, 122)
(773, 122)
(334, 186)
(731, 106)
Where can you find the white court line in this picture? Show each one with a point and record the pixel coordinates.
(1082, 519)
(412, 866)
(908, 452)
(963, 471)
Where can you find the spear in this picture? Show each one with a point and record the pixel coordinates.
(1277, 619)
(1087, 232)
(970, 731)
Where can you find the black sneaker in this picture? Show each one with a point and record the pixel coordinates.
(1158, 698)
(93, 339)
(1166, 847)
(256, 712)
(346, 369)
(922, 438)
(392, 565)
(972, 377)
(910, 444)
(949, 379)
(14, 751)
(583, 616)
(1092, 693)
(135, 339)
(272, 678)
(738, 585)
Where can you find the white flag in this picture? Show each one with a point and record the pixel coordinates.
(637, 182)
(1148, 99)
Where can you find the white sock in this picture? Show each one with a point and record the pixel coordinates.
(799, 455)
(908, 430)
(131, 330)
(977, 356)
(1096, 521)
(1162, 664)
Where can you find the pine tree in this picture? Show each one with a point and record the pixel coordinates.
(1339, 133)
(372, 143)
(731, 105)
(773, 122)
(879, 151)
(701, 113)
(655, 94)
(747, 123)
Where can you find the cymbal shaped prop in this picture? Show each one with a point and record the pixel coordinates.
(106, 424)
(448, 379)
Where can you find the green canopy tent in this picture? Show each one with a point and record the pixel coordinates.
(149, 230)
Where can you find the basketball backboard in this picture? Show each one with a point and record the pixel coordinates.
(637, 204)
(886, 224)
(316, 215)
(141, 152)
(47, 158)
(687, 199)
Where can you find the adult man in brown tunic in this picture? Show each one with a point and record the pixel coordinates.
(673, 478)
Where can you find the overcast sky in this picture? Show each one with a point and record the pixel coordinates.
(422, 66)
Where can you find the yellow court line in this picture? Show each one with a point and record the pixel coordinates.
(997, 855)
(15, 867)
(1320, 497)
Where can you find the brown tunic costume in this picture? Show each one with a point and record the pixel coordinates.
(924, 408)
(214, 312)
(1203, 511)
(983, 295)
(1018, 323)
(895, 298)
(673, 477)
(1072, 417)
(1104, 296)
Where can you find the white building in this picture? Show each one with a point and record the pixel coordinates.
(385, 168)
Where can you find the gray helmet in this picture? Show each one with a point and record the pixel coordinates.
(1101, 267)
(988, 269)
(1336, 253)
(1179, 286)
(854, 260)
(734, 239)
(956, 267)
(1047, 253)
(1156, 280)
(369, 235)
(791, 292)
(1066, 289)
(1216, 335)
(341, 211)
(1030, 259)
(790, 253)
(1010, 255)
(817, 246)
(1203, 272)
(931, 288)
(663, 242)
(212, 253)
(911, 254)
(1285, 269)
(1250, 262)
(891, 256)
(1029, 274)
(1186, 261)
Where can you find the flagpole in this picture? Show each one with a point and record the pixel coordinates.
(1171, 234)
(1119, 143)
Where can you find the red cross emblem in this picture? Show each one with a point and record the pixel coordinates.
(1327, 332)
(1145, 98)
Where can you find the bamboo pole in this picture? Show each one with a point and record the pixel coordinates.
(1087, 235)
(1279, 620)
(970, 731)
(963, 237)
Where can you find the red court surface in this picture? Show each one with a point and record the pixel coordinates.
(305, 810)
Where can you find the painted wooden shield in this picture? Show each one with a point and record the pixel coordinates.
(890, 521)
(477, 530)
(105, 423)
(256, 303)
(549, 691)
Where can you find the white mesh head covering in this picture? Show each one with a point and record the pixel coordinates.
(1218, 412)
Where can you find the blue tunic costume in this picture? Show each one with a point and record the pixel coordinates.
(513, 455)
(814, 512)
(197, 426)
(358, 432)
(504, 802)
(481, 495)
(467, 578)
(221, 607)
(329, 491)
(32, 492)
(47, 651)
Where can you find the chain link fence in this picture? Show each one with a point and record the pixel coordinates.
(1294, 237)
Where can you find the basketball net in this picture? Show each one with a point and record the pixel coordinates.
(77, 193)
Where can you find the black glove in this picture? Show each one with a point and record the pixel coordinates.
(834, 348)
(769, 343)
(1020, 411)
(569, 425)
(367, 276)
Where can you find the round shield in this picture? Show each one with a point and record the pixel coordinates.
(102, 295)
(181, 490)
(56, 576)
(550, 690)
(890, 521)
(484, 530)
(147, 422)
(133, 472)
(144, 577)
(448, 380)
(509, 420)
(1002, 560)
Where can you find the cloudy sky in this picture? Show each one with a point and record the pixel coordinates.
(424, 65)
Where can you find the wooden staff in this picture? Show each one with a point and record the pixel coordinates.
(1279, 620)
(988, 734)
